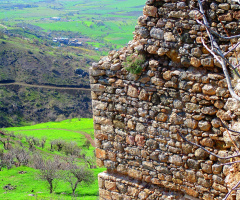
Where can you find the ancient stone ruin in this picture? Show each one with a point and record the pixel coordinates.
(180, 89)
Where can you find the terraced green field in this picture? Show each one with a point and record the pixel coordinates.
(104, 21)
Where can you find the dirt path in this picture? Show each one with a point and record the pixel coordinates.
(3, 26)
(46, 86)
(87, 136)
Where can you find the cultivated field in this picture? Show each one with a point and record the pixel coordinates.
(108, 21)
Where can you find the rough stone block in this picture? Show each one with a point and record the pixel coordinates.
(105, 194)
(135, 174)
(98, 88)
(101, 154)
(150, 11)
(132, 92)
(110, 185)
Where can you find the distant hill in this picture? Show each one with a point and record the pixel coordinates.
(23, 105)
(35, 63)
(25, 61)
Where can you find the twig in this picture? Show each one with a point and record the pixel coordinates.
(233, 141)
(214, 44)
(231, 49)
(214, 32)
(228, 128)
(218, 50)
(229, 163)
(213, 154)
(225, 198)
(228, 36)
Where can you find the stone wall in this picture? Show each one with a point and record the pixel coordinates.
(181, 89)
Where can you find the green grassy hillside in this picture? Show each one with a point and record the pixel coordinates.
(26, 185)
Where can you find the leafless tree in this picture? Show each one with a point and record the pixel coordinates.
(49, 170)
(76, 175)
(35, 141)
(6, 143)
(30, 142)
(37, 161)
(43, 141)
(19, 136)
(21, 155)
(58, 144)
(7, 160)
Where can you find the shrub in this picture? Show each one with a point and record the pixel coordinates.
(71, 149)
(134, 63)
(87, 144)
(22, 156)
(58, 144)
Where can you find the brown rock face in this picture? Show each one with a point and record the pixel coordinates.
(143, 95)
(161, 117)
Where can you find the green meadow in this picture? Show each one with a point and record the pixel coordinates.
(67, 130)
(76, 124)
(27, 186)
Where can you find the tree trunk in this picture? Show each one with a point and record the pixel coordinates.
(50, 186)
(74, 188)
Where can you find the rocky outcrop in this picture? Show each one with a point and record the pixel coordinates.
(181, 89)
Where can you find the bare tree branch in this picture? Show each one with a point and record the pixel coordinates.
(230, 163)
(225, 71)
(215, 49)
(228, 128)
(231, 49)
(225, 198)
(213, 154)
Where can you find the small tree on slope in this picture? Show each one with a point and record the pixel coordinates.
(76, 175)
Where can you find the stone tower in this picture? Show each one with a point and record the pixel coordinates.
(180, 88)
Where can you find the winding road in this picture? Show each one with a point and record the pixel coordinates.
(45, 86)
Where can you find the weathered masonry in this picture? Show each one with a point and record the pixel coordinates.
(181, 89)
